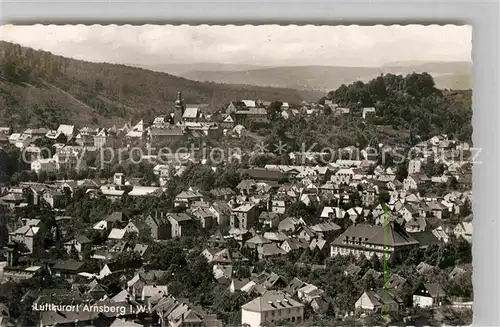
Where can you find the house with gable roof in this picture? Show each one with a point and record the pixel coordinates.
(429, 295)
(272, 306)
(243, 216)
(26, 234)
(159, 225)
(464, 229)
(375, 300)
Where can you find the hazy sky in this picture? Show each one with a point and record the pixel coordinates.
(262, 45)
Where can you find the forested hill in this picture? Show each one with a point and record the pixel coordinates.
(410, 102)
(39, 88)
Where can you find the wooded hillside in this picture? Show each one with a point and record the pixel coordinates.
(37, 87)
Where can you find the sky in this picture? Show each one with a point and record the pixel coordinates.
(267, 45)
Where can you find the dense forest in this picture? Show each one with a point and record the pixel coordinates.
(37, 87)
(412, 102)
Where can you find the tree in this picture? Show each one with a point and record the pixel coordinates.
(375, 263)
(466, 209)
(402, 171)
(274, 111)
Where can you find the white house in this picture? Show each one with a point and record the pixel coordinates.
(149, 291)
(375, 300)
(272, 306)
(414, 166)
(48, 165)
(428, 295)
(464, 229)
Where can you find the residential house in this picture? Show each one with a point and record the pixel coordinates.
(67, 130)
(243, 216)
(376, 300)
(426, 238)
(237, 284)
(414, 166)
(368, 112)
(101, 139)
(429, 295)
(185, 198)
(159, 226)
(19, 140)
(12, 200)
(408, 212)
(438, 210)
(269, 219)
(166, 136)
(305, 232)
(137, 227)
(228, 122)
(352, 270)
(458, 272)
(204, 216)
(369, 196)
(293, 287)
(217, 255)
(413, 182)
(247, 187)
(424, 268)
(309, 292)
(149, 291)
(68, 269)
(191, 114)
(223, 273)
(464, 229)
(290, 225)
(181, 224)
(320, 245)
(264, 175)
(293, 244)
(53, 197)
(35, 133)
(26, 234)
(272, 306)
(269, 250)
(221, 211)
(325, 230)
(279, 204)
(115, 268)
(48, 165)
(117, 234)
(80, 243)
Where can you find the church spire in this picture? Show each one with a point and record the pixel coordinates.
(179, 106)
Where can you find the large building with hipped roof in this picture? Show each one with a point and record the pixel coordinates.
(370, 240)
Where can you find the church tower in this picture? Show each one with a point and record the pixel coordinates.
(179, 107)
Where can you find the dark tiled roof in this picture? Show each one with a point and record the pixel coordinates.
(426, 238)
(435, 289)
(82, 239)
(389, 235)
(264, 174)
(68, 265)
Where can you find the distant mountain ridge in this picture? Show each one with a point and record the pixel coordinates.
(448, 75)
(182, 69)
